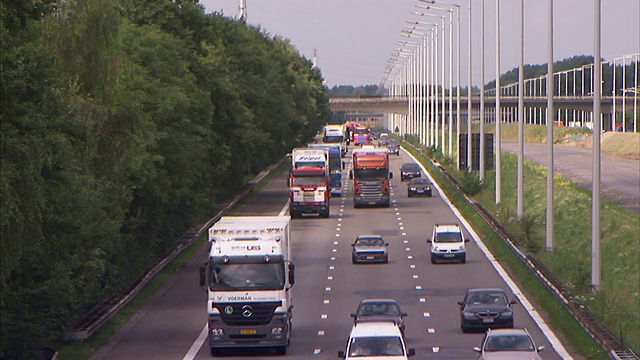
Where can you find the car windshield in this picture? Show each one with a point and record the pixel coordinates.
(509, 343)
(376, 346)
(495, 298)
(376, 309)
(410, 167)
(419, 181)
(448, 237)
(369, 242)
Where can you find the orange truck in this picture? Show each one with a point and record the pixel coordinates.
(371, 177)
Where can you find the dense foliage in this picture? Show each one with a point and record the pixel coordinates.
(124, 123)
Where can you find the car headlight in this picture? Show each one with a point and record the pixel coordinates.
(461, 247)
(506, 313)
(468, 314)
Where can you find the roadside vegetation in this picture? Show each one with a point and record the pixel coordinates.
(123, 124)
(617, 304)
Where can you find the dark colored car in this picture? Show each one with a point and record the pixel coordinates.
(410, 171)
(483, 309)
(380, 309)
(419, 187)
(369, 248)
(394, 147)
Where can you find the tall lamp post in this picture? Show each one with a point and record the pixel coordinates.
(442, 121)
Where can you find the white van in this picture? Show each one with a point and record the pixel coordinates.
(448, 244)
(376, 339)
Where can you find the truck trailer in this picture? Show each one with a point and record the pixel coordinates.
(248, 279)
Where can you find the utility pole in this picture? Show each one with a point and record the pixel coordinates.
(242, 10)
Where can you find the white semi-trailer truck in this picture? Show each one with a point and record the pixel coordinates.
(248, 279)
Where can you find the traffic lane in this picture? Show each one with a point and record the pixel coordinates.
(620, 177)
(447, 282)
(169, 323)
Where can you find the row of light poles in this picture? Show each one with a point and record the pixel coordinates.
(413, 70)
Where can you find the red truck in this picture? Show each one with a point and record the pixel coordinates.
(309, 191)
(371, 176)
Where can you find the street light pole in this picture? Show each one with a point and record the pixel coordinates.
(498, 139)
(550, 124)
(520, 190)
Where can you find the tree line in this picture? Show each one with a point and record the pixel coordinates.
(124, 123)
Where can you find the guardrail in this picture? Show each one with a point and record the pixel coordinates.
(102, 312)
(592, 325)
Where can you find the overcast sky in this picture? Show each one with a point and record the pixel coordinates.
(354, 39)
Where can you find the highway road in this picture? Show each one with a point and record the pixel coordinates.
(328, 286)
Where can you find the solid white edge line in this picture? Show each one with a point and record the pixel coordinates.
(546, 330)
(195, 347)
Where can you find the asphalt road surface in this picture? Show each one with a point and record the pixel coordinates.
(619, 177)
(328, 286)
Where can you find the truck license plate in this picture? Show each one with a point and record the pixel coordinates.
(248, 331)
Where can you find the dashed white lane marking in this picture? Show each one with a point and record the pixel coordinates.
(426, 314)
(415, 276)
(328, 288)
(324, 316)
(320, 332)
(332, 267)
(412, 266)
(326, 301)
(410, 257)
(423, 300)
(407, 249)
(316, 351)
(418, 287)
(435, 349)
(329, 277)
(335, 243)
(431, 330)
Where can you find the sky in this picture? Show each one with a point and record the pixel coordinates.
(354, 39)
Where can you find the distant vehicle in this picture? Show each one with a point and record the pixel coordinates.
(419, 187)
(376, 340)
(394, 147)
(483, 309)
(447, 243)
(409, 171)
(369, 248)
(380, 309)
(512, 344)
(383, 139)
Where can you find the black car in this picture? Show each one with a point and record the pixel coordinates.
(394, 147)
(484, 309)
(380, 309)
(419, 187)
(409, 171)
(369, 248)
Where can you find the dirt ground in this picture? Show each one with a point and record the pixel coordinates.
(626, 145)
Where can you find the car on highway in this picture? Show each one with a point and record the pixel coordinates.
(383, 139)
(394, 147)
(485, 308)
(380, 309)
(410, 171)
(511, 344)
(369, 249)
(419, 187)
(376, 339)
(447, 244)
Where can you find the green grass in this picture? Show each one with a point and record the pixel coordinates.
(618, 302)
(82, 350)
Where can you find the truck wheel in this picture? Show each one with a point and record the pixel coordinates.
(325, 214)
(216, 352)
(433, 260)
(463, 259)
(281, 350)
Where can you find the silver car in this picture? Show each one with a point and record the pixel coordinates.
(368, 249)
(508, 344)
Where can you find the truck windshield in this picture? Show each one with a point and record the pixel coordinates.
(308, 181)
(333, 139)
(255, 276)
(448, 237)
(319, 163)
(371, 174)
